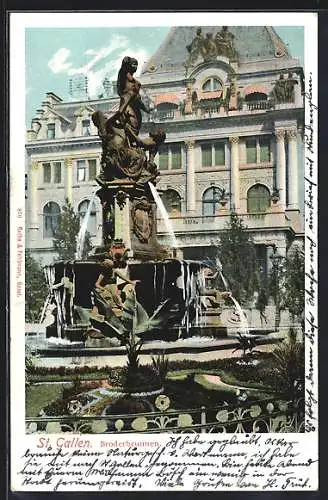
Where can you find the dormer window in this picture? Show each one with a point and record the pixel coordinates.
(51, 131)
(212, 84)
(86, 128)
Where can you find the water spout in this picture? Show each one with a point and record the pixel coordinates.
(165, 216)
(83, 230)
(241, 313)
(219, 268)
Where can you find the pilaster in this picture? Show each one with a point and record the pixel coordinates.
(235, 181)
(190, 181)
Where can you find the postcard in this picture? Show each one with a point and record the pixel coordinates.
(163, 240)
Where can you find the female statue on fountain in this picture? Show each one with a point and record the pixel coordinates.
(128, 89)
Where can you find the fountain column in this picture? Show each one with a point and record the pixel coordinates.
(35, 208)
(235, 187)
(281, 166)
(122, 218)
(69, 178)
(292, 170)
(191, 184)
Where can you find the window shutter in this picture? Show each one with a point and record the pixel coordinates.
(264, 149)
(163, 162)
(46, 172)
(176, 155)
(219, 153)
(251, 151)
(206, 155)
(92, 169)
(57, 172)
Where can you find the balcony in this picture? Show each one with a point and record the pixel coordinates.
(216, 111)
(258, 105)
(199, 224)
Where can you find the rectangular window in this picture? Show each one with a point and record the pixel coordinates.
(92, 169)
(219, 149)
(57, 172)
(163, 158)
(264, 149)
(47, 172)
(86, 128)
(176, 155)
(251, 151)
(51, 131)
(81, 171)
(206, 155)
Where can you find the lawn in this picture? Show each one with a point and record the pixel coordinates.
(39, 396)
(189, 384)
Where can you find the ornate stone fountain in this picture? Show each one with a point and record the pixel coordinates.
(131, 282)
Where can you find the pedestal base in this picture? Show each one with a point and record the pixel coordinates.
(129, 214)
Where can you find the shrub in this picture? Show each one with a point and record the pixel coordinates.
(141, 379)
(161, 365)
(290, 364)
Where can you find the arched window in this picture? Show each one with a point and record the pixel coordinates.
(256, 96)
(165, 110)
(212, 84)
(211, 201)
(172, 202)
(258, 199)
(92, 222)
(51, 214)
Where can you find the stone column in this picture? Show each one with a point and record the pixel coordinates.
(292, 170)
(127, 223)
(69, 178)
(122, 218)
(34, 225)
(190, 172)
(281, 166)
(235, 187)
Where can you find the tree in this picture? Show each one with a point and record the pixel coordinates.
(239, 261)
(287, 282)
(276, 285)
(36, 289)
(294, 289)
(66, 235)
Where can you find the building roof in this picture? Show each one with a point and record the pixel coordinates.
(251, 43)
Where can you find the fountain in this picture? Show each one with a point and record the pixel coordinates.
(131, 283)
(131, 292)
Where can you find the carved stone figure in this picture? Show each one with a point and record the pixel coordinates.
(283, 90)
(225, 43)
(188, 100)
(278, 92)
(143, 220)
(290, 88)
(123, 152)
(128, 89)
(196, 49)
(210, 47)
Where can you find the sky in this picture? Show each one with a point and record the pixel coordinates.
(54, 55)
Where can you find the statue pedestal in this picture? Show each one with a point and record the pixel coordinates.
(129, 214)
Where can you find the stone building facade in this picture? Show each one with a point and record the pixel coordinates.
(231, 103)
